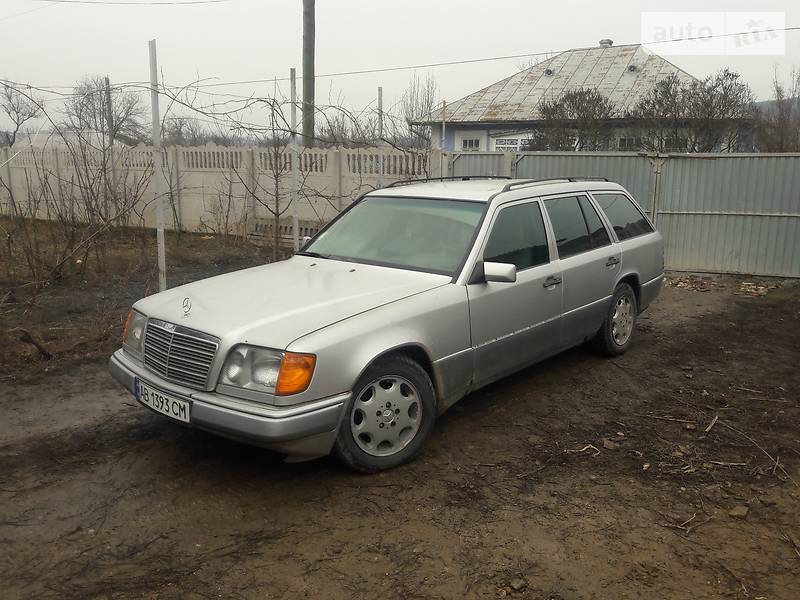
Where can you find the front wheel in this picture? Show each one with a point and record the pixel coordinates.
(389, 417)
(616, 334)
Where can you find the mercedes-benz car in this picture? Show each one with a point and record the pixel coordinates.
(413, 297)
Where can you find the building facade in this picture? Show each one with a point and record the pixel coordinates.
(505, 115)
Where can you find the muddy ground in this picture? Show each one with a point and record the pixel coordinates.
(666, 473)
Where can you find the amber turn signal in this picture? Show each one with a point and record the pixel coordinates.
(127, 325)
(295, 374)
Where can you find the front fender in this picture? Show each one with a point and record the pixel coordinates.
(435, 321)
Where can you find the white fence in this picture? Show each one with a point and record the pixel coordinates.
(207, 188)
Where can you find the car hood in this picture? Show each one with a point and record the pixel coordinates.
(274, 304)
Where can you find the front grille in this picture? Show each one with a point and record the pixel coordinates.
(178, 353)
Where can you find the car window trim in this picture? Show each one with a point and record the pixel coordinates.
(575, 194)
(514, 203)
(635, 205)
(602, 222)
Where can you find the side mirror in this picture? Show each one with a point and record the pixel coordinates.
(492, 271)
(305, 239)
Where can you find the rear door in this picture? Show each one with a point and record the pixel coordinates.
(641, 246)
(589, 264)
(515, 324)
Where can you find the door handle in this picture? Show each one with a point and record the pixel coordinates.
(551, 281)
(612, 260)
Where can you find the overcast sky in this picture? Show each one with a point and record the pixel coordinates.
(57, 44)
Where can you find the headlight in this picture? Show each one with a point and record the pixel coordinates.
(133, 334)
(265, 370)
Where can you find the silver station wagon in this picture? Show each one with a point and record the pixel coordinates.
(413, 297)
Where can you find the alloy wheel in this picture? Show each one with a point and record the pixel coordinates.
(386, 416)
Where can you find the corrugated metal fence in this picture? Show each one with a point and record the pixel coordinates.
(719, 213)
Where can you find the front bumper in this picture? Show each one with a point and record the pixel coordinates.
(302, 432)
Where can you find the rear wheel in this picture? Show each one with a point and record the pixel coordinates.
(616, 334)
(390, 416)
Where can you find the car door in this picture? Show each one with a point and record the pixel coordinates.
(589, 264)
(515, 324)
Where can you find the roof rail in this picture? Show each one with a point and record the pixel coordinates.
(449, 178)
(513, 184)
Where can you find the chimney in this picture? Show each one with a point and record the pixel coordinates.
(606, 43)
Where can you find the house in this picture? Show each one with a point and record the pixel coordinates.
(503, 115)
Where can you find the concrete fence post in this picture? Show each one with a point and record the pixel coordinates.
(338, 174)
(7, 161)
(176, 185)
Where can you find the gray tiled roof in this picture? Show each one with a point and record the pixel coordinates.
(606, 69)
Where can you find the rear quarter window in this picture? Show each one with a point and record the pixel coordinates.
(625, 217)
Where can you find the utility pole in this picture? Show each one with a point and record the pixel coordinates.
(295, 158)
(158, 175)
(308, 72)
(380, 135)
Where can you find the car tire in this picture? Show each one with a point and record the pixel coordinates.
(389, 417)
(616, 334)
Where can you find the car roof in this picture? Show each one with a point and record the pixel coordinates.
(482, 190)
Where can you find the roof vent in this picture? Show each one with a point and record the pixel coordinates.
(632, 68)
(606, 43)
(548, 71)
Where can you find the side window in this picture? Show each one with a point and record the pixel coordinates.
(572, 235)
(518, 237)
(626, 219)
(597, 231)
(471, 145)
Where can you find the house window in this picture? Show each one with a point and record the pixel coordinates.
(471, 145)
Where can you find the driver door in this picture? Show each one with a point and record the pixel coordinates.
(516, 324)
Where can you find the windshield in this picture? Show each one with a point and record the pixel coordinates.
(413, 233)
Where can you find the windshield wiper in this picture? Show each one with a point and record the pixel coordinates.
(313, 254)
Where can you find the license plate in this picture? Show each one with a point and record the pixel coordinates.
(161, 402)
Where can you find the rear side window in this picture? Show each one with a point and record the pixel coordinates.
(626, 219)
(518, 237)
(572, 235)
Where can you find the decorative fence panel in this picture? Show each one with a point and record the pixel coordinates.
(207, 188)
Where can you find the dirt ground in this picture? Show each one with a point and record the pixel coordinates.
(670, 472)
(79, 315)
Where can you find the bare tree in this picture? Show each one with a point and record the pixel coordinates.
(184, 131)
(661, 115)
(18, 108)
(694, 116)
(778, 120)
(65, 196)
(577, 120)
(86, 114)
(720, 109)
(417, 102)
